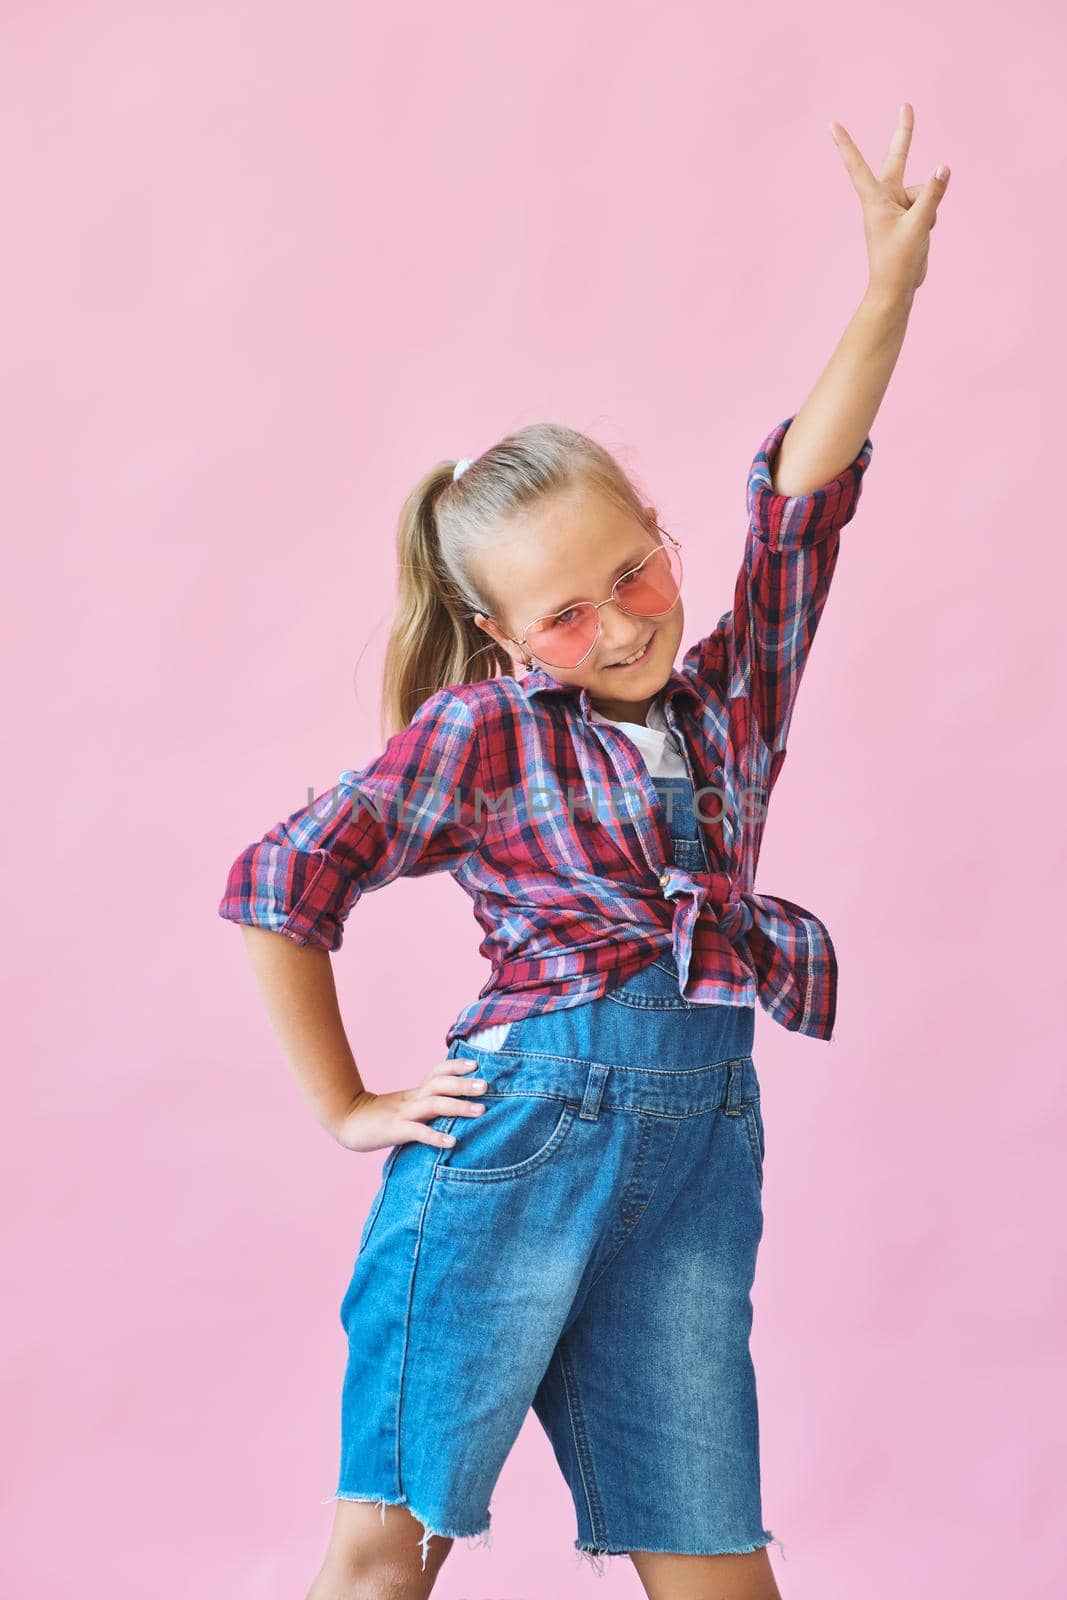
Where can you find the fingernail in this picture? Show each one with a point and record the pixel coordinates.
(942, 173)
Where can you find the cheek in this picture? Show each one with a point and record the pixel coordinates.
(671, 626)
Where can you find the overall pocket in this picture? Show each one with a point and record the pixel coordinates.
(515, 1135)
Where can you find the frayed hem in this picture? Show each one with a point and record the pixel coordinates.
(480, 1537)
(595, 1553)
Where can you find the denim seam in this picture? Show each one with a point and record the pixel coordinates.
(625, 1203)
(518, 1094)
(580, 1435)
(416, 1255)
(376, 1205)
(671, 1074)
(665, 1116)
(672, 971)
(605, 1105)
(749, 1120)
(643, 1207)
(629, 1227)
(649, 1002)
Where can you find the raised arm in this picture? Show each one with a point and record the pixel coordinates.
(829, 429)
(805, 479)
(760, 647)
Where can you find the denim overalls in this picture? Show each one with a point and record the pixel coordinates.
(586, 1249)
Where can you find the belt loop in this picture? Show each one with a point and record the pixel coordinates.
(733, 1088)
(594, 1090)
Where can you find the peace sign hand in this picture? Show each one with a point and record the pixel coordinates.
(896, 220)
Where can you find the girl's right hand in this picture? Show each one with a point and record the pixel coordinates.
(400, 1116)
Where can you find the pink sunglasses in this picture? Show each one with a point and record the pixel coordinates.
(566, 638)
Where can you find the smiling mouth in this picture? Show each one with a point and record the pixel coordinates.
(636, 662)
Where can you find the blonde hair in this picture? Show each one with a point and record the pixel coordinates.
(444, 522)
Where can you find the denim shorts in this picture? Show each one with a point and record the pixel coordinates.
(586, 1249)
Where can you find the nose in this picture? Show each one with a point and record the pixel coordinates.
(619, 632)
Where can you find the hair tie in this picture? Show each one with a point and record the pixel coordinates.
(461, 467)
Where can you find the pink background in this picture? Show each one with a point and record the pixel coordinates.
(264, 265)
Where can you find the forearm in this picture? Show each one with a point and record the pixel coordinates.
(828, 430)
(297, 985)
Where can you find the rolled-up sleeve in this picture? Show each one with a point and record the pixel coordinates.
(760, 647)
(793, 521)
(414, 809)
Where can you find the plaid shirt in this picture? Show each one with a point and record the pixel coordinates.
(553, 826)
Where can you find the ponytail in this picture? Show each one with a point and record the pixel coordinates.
(434, 640)
(444, 524)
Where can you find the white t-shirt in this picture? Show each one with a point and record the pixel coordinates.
(656, 743)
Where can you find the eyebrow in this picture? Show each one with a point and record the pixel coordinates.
(623, 566)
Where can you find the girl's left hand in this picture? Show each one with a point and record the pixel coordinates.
(896, 220)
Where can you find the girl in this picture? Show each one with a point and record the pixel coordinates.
(575, 1228)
